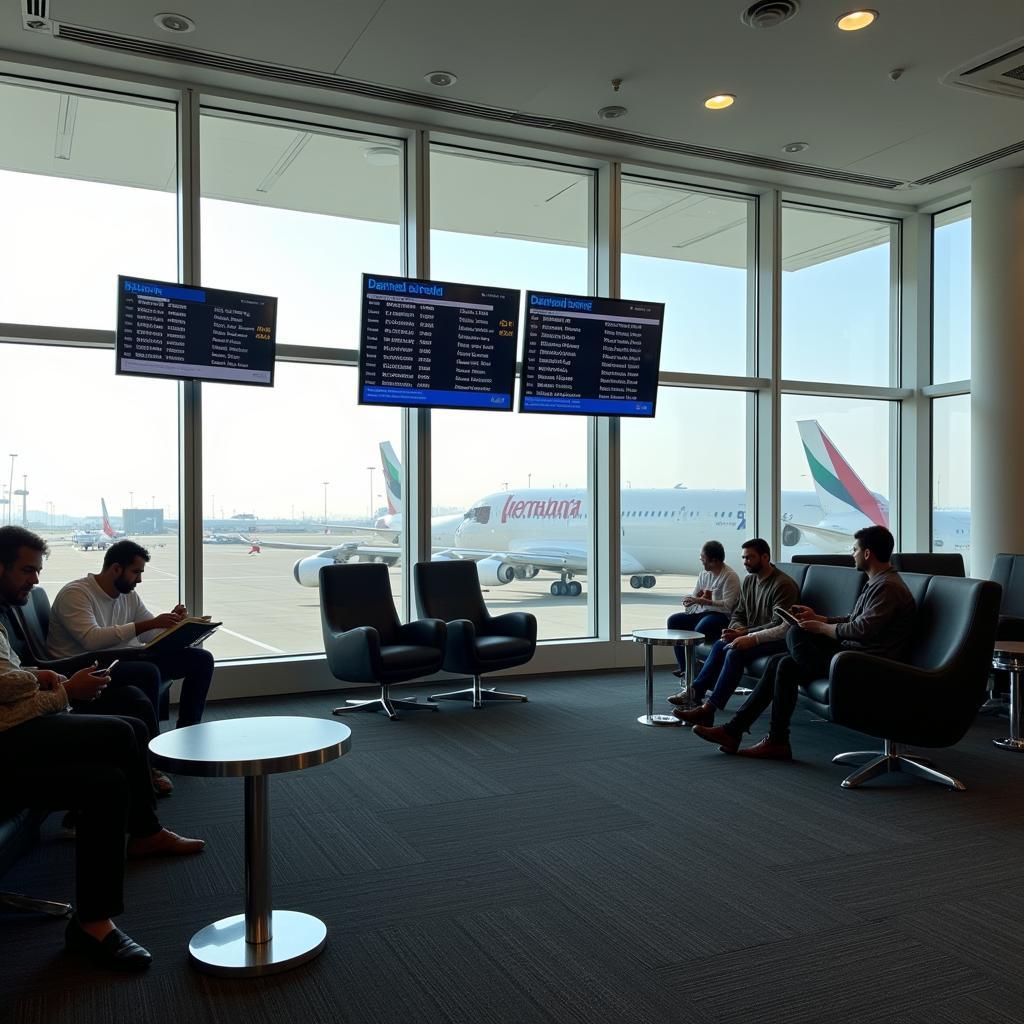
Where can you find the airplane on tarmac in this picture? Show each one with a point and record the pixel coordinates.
(108, 530)
(99, 539)
(516, 534)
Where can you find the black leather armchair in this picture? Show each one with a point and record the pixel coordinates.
(932, 699)
(366, 643)
(478, 642)
(19, 830)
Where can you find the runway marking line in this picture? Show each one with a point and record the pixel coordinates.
(249, 639)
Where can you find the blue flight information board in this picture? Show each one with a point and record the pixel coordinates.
(434, 344)
(591, 356)
(188, 333)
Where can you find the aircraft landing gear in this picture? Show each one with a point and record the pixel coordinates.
(566, 587)
(646, 582)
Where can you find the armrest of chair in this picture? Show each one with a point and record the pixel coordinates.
(424, 633)
(354, 654)
(518, 624)
(70, 665)
(461, 644)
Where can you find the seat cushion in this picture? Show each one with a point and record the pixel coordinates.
(407, 660)
(817, 690)
(501, 648)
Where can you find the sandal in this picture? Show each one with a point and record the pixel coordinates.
(162, 785)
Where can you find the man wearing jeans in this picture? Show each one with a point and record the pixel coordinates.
(754, 631)
(881, 623)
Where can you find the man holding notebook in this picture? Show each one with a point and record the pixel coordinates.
(103, 611)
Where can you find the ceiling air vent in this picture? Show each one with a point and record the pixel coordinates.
(999, 71)
(35, 16)
(769, 13)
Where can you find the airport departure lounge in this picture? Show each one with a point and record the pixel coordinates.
(511, 514)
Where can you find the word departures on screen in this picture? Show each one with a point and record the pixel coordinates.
(593, 356)
(188, 333)
(434, 344)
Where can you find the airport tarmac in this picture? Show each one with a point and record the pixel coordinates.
(267, 614)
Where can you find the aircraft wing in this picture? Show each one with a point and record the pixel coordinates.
(572, 558)
(384, 535)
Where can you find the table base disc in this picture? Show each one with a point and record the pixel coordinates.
(658, 720)
(1010, 744)
(220, 948)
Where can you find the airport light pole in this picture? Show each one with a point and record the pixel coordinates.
(131, 499)
(529, 479)
(10, 489)
(371, 469)
(326, 483)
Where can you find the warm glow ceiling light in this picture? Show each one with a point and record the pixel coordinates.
(853, 21)
(720, 102)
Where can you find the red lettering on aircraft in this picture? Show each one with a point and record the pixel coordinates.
(552, 508)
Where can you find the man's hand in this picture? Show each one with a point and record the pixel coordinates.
(87, 683)
(689, 600)
(807, 614)
(179, 609)
(704, 595)
(743, 643)
(729, 635)
(48, 680)
(166, 620)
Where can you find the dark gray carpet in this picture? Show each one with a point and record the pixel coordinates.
(557, 862)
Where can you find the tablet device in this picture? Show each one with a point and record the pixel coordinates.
(784, 613)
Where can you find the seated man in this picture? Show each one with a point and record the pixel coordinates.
(711, 604)
(103, 611)
(95, 765)
(881, 623)
(754, 631)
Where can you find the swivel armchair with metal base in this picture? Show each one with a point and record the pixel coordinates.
(366, 643)
(478, 642)
(19, 829)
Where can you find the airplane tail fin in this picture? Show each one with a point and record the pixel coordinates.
(392, 477)
(107, 528)
(837, 484)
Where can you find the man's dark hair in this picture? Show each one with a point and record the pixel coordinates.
(123, 553)
(714, 550)
(759, 545)
(13, 539)
(878, 540)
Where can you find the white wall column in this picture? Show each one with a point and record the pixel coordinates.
(997, 366)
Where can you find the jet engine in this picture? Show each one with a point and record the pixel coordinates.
(307, 570)
(790, 536)
(494, 572)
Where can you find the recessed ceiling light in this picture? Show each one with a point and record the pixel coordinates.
(720, 102)
(794, 147)
(853, 21)
(442, 79)
(383, 156)
(611, 113)
(177, 23)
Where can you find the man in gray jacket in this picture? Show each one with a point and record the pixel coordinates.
(754, 631)
(881, 623)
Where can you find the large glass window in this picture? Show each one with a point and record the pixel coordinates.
(684, 482)
(89, 458)
(519, 480)
(836, 472)
(693, 251)
(951, 476)
(951, 295)
(88, 190)
(300, 215)
(837, 298)
(294, 478)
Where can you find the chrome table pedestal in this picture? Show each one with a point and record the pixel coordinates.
(1009, 656)
(262, 940)
(652, 638)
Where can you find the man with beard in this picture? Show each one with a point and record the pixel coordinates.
(103, 611)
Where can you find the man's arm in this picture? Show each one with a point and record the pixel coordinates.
(739, 618)
(879, 609)
(74, 611)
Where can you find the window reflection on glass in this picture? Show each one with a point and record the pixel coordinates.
(299, 215)
(692, 251)
(124, 460)
(836, 472)
(951, 476)
(95, 198)
(684, 482)
(294, 478)
(951, 295)
(510, 490)
(836, 297)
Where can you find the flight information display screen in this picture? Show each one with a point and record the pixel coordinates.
(436, 344)
(592, 356)
(189, 333)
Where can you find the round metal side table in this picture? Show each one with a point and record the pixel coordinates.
(262, 940)
(652, 638)
(1009, 656)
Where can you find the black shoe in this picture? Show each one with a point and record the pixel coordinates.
(117, 951)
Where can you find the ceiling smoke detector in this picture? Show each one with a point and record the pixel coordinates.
(794, 147)
(442, 79)
(612, 113)
(176, 23)
(769, 13)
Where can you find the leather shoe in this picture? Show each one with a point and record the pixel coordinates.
(162, 844)
(727, 743)
(684, 699)
(678, 673)
(768, 751)
(704, 715)
(162, 785)
(117, 951)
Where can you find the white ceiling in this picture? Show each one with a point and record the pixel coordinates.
(803, 80)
